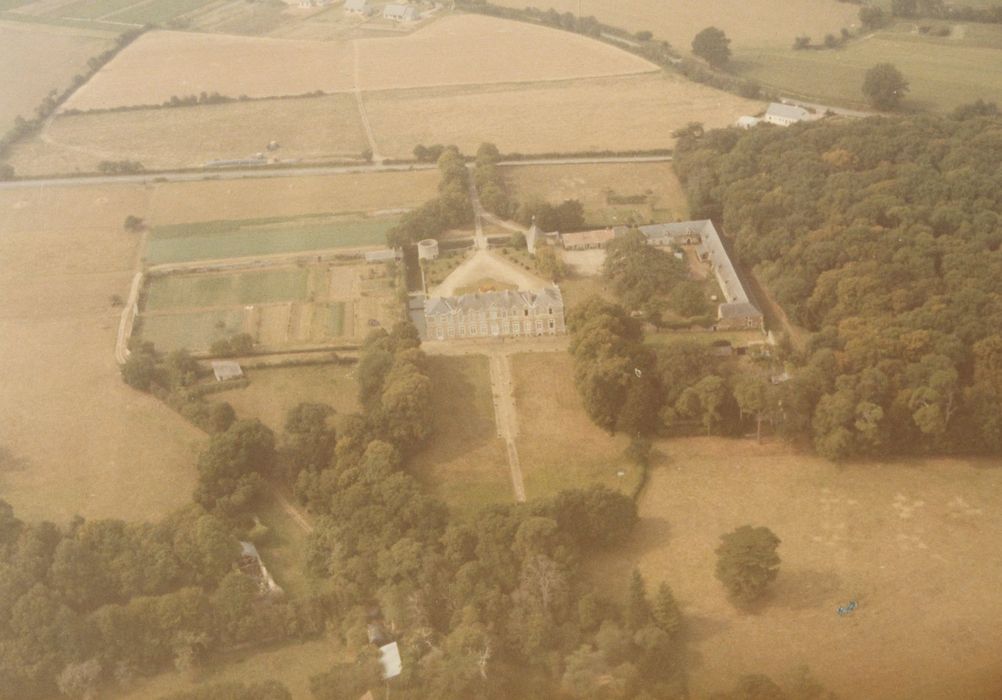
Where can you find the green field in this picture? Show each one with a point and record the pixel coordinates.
(196, 291)
(194, 331)
(943, 72)
(335, 319)
(154, 12)
(230, 239)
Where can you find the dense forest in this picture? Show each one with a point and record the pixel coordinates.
(882, 237)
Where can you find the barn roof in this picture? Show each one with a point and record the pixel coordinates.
(777, 109)
(226, 369)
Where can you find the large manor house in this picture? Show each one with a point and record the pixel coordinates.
(496, 314)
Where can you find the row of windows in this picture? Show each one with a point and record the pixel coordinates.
(471, 316)
(495, 329)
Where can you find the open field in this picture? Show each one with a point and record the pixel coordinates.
(188, 64)
(230, 239)
(272, 393)
(317, 129)
(593, 184)
(122, 11)
(439, 54)
(357, 193)
(558, 445)
(478, 50)
(290, 664)
(87, 443)
(633, 112)
(756, 23)
(466, 463)
(281, 307)
(914, 542)
(51, 56)
(943, 72)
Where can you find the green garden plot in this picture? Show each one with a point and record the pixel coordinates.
(221, 289)
(193, 331)
(233, 239)
(335, 320)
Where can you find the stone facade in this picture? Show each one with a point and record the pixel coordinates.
(505, 314)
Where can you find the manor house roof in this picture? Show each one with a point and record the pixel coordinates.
(549, 296)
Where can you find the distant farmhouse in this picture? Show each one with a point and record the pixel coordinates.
(401, 13)
(358, 7)
(495, 314)
(780, 115)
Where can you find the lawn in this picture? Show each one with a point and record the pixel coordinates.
(597, 185)
(228, 239)
(558, 445)
(272, 393)
(226, 289)
(283, 550)
(466, 463)
(914, 542)
(942, 72)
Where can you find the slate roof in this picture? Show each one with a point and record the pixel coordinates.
(740, 309)
(782, 111)
(548, 296)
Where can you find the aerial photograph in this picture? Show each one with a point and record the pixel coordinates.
(500, 350)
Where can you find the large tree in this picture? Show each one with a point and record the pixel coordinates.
(747, 562)
(712, 45)
(884, 86)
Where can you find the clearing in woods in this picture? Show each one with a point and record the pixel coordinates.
(465, 463)
(440, 54)
(558, 445)
(628, 113)
(50, 55)
(759, 23)
(598, 185)
(914, 542)
(319, 129)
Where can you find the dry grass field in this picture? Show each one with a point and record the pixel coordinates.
(558, 445)
(592, 184)
(746, 22)
(915, 543)
(466, 463)
(51, 56)
(478, 50)
(161, 64)
(633, 112)
(86, 443)
(273, 392)
(319, 129)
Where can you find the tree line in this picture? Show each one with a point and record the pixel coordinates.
(882, 237)
(450, 209)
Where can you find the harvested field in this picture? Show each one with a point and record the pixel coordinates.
(188, 64)
(913, 542)
(272, 393)
(50, 55)
(478, 50)
(594, 186)
(758, 23)
(360, 193)
(84, 440)
(553, 425)
(466, 463)
(313, 129)
(231, 239)
(634, 112)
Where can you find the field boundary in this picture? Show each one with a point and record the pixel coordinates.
(128, 320)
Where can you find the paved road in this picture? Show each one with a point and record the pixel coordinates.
(244, 173)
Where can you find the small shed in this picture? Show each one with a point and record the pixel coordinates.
(226, 369)
(389, 657)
